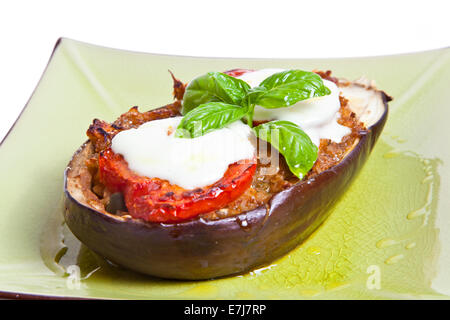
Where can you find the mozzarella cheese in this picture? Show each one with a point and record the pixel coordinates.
(316, 116)
(152, 150)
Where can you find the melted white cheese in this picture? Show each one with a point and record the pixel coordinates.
(152, 150)
(316, 116)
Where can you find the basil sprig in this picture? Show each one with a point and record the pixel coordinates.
(213, 87)
(292, 142)
(214, 100)
(286, 88)
(208, 117)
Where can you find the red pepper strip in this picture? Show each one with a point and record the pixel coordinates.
(154, 199)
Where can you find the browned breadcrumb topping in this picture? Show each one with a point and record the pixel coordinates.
(331, 153)
(264, 186)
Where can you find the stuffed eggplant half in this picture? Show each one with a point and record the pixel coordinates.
(240, 169)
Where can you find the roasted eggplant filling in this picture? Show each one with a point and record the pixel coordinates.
(258, 185)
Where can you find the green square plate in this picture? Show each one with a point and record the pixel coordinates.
(387, 238)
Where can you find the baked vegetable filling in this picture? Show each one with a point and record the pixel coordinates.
(295, 125)
(154, 199)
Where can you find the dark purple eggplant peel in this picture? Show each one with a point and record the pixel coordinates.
(205, 249)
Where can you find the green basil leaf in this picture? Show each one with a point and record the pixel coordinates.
(292, 142)
(254, 95)
(213, 87)
(208, 117)
(286, 88)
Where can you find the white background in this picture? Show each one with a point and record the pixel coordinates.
(228, 28)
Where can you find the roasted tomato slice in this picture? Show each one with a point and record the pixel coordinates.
(157, 200)
(237, 72)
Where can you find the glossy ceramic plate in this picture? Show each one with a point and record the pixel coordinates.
(387, 238)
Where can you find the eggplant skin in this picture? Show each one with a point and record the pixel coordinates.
(205, 249)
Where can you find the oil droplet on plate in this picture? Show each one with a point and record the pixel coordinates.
(386, 243)
(410, 245)
(426, 208)
(313, 250)
(394, 259)
(415, 214)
